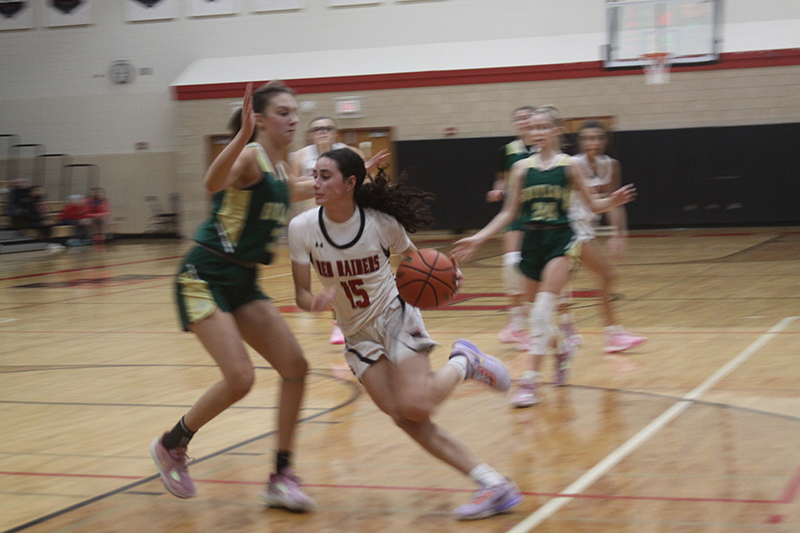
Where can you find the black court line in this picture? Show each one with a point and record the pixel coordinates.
(672, 398)
(70, 270)
(356, 392)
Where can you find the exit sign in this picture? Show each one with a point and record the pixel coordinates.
(348, 106)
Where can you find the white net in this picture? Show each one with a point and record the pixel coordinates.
(656, 70)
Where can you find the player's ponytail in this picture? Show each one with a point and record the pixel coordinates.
(409, 205)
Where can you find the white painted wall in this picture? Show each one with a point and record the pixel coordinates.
(53, 90)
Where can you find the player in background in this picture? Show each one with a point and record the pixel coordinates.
(348, 240)
(602, 175)
(515, 330)
(540, 191)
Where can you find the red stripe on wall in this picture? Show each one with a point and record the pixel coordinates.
(444, 78)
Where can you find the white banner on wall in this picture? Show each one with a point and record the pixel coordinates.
(260, 6)
(68, 12)
(136, 10)
(15, 15)
(338, 3)
(208, 8)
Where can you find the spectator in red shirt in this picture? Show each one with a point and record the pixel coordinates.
(74, 213)
(98, 211)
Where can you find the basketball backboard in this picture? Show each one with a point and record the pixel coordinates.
(688, 30)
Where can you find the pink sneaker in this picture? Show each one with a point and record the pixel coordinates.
(172, 468)
(563, 366)
(510, 335)
(337, 337)
(570, 334)
(283, 490)
(527, 394)
(621, 341)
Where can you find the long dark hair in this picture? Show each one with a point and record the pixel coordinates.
(409, 205)
(261, 99)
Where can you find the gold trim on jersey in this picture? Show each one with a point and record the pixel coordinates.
(535, 161)
(516, 147)
(198, 300)
(263, 159)
(232, 216)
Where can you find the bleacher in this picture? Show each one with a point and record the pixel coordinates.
(55, 173)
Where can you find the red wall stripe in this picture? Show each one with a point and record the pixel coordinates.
(444, 78)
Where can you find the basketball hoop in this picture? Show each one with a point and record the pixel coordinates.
(656, 68)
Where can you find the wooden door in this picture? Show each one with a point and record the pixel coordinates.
(371, 141)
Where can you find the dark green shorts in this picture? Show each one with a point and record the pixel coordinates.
(540, 246)
(206, 282)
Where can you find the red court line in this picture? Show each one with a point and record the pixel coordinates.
(421, 489)
(790, 492)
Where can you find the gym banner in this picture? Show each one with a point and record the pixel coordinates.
(139, 10)
(210, 8)
(15, 15)
(68, 13)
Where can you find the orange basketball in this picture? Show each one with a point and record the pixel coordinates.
(426, 279)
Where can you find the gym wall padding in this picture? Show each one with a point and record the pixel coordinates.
(741, 175)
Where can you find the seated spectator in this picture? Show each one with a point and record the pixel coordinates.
(98, 211)
(19, 206)
(74, 214)
(40, 218)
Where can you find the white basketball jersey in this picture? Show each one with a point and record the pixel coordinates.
(598, 178)
(353, 257)
(310, 156)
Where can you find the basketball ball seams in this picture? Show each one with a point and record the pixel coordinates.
(426, 279)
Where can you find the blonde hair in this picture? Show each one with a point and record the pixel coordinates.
(551, 112)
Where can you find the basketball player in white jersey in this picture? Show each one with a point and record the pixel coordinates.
(323, 137)
(602, 175)
(348, 240)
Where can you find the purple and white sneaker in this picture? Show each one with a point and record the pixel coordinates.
(482, 367)
(489, 501)
(172, 468)
(283, 490)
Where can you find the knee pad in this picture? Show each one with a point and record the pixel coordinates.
(541, 321)
(513, 279)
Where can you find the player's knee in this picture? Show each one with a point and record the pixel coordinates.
(409, 410)
(408, 418)
(240, 382)
(294, 368)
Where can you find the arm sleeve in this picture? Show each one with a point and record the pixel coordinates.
(298, 249)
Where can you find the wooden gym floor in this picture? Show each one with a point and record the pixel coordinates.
(695, 431)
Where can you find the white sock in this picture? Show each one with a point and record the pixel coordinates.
(460, 363)
(486, 476)
(612, 330)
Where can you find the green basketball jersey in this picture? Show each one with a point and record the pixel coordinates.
(545, 194)
(247, 223)
(513, 152)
